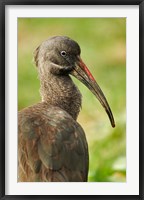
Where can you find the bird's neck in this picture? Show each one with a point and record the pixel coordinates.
(61, 91)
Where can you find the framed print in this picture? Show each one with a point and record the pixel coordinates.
(56, 138)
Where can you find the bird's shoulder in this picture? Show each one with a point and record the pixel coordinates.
(50, 135)
(42, 114)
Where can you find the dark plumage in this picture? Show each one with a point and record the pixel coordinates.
(52, 145)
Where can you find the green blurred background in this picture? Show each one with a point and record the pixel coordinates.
(103, 49)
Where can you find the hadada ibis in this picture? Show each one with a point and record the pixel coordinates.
(52, 145)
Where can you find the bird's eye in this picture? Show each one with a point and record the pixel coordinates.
(63, 53)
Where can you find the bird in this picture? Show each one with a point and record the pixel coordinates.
(52, 145)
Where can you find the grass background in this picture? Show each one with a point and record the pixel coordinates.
(103, 49)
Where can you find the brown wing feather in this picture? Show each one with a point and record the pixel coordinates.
(52, 146)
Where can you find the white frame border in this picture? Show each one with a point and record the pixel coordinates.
(131, 187)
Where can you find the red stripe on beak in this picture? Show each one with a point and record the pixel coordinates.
(84, 67)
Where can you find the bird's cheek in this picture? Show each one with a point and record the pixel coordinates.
(54, 68)
(66, 70)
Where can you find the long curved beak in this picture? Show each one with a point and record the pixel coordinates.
(82, 73)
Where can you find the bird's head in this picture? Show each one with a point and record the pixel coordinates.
(60, 56)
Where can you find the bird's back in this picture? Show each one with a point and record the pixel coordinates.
(52, 146)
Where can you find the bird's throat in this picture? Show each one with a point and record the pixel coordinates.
(60, 91)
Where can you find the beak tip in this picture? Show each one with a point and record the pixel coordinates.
(113, 124)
